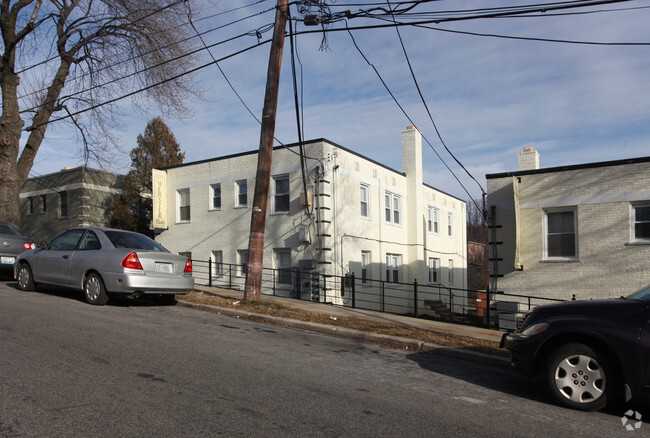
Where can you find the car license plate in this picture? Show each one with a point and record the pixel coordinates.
(8, 260)
(164, 267)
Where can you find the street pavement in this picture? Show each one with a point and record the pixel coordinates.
(341, 311)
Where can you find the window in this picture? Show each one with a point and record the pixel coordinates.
(364, 195)
(30, 205)
(561, 242)
(43, 203)
(450, 272)
(242, 261)
(434, 220)
(450, 224)
(642, 222)
(215, 192)
(90, 242)
(392, 208)
(183, 199)
(281, 197)
(67, 241)
(283, 265)
(242, 194)
(217, 266)
(63, 204)
(393, 263)
(365, 266)
(434, 268)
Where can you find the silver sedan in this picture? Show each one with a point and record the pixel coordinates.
(104, 261)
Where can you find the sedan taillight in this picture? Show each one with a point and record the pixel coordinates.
(188, 266)
(29, 245)
(131, 261)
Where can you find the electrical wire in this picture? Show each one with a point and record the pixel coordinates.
(424, 102)
(408, 117)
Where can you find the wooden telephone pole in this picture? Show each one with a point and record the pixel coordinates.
(263, 177)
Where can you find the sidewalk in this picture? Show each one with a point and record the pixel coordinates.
(340, 311)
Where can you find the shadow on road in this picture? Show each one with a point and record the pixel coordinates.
(507, 381)
(73, 294)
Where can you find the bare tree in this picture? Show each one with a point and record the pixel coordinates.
(66, 61)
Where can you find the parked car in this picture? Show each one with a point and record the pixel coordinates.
(588, 353)
(104, 261)
(12, 243)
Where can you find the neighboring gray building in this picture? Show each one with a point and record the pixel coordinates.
(50, 204)
(580, 230)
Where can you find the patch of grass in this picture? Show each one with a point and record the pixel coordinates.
(273, 309)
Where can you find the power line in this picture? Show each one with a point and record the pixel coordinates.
(424, 102)
(406, 114)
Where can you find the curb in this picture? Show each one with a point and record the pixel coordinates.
(377, 338)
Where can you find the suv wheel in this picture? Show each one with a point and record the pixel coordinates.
(579, 377)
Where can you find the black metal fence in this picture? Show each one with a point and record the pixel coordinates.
(435, 301)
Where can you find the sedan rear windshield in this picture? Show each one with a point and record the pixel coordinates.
(8, 229)
(121, 239)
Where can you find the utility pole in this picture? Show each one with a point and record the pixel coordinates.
(263, 177)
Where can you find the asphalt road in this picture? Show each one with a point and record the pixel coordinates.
(137, 369)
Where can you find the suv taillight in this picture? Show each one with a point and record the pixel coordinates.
(29, 245)
(131, 261)
(188, 266)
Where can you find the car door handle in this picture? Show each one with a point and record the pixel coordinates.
(66, 257)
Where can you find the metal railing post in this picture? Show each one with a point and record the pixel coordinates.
(210, 271)
(353, 291)
(383, 291)
(298, 285)
(415, 297)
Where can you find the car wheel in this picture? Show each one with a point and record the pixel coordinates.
(94, 290)
(25, 278)
(579, 377)
(166, 299)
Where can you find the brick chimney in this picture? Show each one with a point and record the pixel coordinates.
(528, 159)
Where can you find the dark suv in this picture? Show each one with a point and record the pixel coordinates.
(588, 352)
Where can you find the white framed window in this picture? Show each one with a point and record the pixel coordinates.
(364, 196)
(450, 272)
(393, 265)
(433, 223)
(242, 261)
(217, 263)
(215, 197)
(365, 266)
(560, 241)
(30, 205)
(241, 193)
(283, 266)
(641, 223)
(183, 202)
(450, 224)
(392, 208)
(43, 203)
(434, 270)
(281, 196)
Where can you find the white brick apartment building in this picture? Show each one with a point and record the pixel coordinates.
(580, 230)
(363, 217)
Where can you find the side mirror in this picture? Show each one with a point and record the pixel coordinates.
(42, 244)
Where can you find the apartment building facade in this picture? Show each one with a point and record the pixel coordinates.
(343, 214)
(52, 203)
(580, 231)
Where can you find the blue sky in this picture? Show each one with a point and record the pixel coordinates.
(489, 97)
